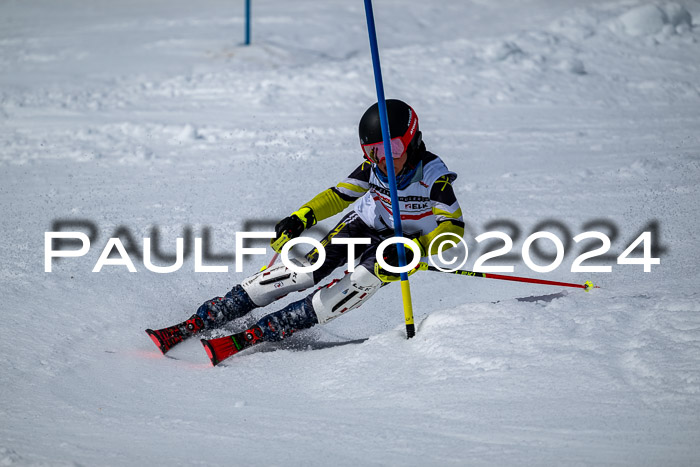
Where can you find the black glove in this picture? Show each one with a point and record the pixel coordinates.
(292, 226)
(391, 254)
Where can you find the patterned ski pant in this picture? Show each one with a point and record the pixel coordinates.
(300, 314)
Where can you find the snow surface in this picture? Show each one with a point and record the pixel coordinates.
(141, 114)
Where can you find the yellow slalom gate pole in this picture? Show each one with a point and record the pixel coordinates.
(408, 308)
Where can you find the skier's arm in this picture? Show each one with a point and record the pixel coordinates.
(336, 199)
(448, 215)
(322, 206)
(326, 204)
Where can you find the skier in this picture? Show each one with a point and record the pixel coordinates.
(428, 208)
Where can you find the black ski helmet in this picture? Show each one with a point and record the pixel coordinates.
(403, 123)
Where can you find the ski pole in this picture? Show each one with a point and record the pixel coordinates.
(587, 286)
(274, 258)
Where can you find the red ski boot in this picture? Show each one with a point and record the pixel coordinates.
(166, 338)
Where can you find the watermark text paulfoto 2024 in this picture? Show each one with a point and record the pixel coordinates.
(544, 244)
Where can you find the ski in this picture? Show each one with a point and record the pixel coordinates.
(221, 348)
(166, 338)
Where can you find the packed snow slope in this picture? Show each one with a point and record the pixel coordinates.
(144, 118)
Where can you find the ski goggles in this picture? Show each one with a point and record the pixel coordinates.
(374, 152)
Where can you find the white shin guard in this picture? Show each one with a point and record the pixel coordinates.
(348, 293)
(267, 286)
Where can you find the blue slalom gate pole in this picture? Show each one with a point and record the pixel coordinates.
(391, 174)
(247, 22)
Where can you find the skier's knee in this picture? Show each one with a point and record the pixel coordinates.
(267, 286)
(350, 292)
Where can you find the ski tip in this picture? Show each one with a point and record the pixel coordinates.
(210, 352)
(156, 340)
